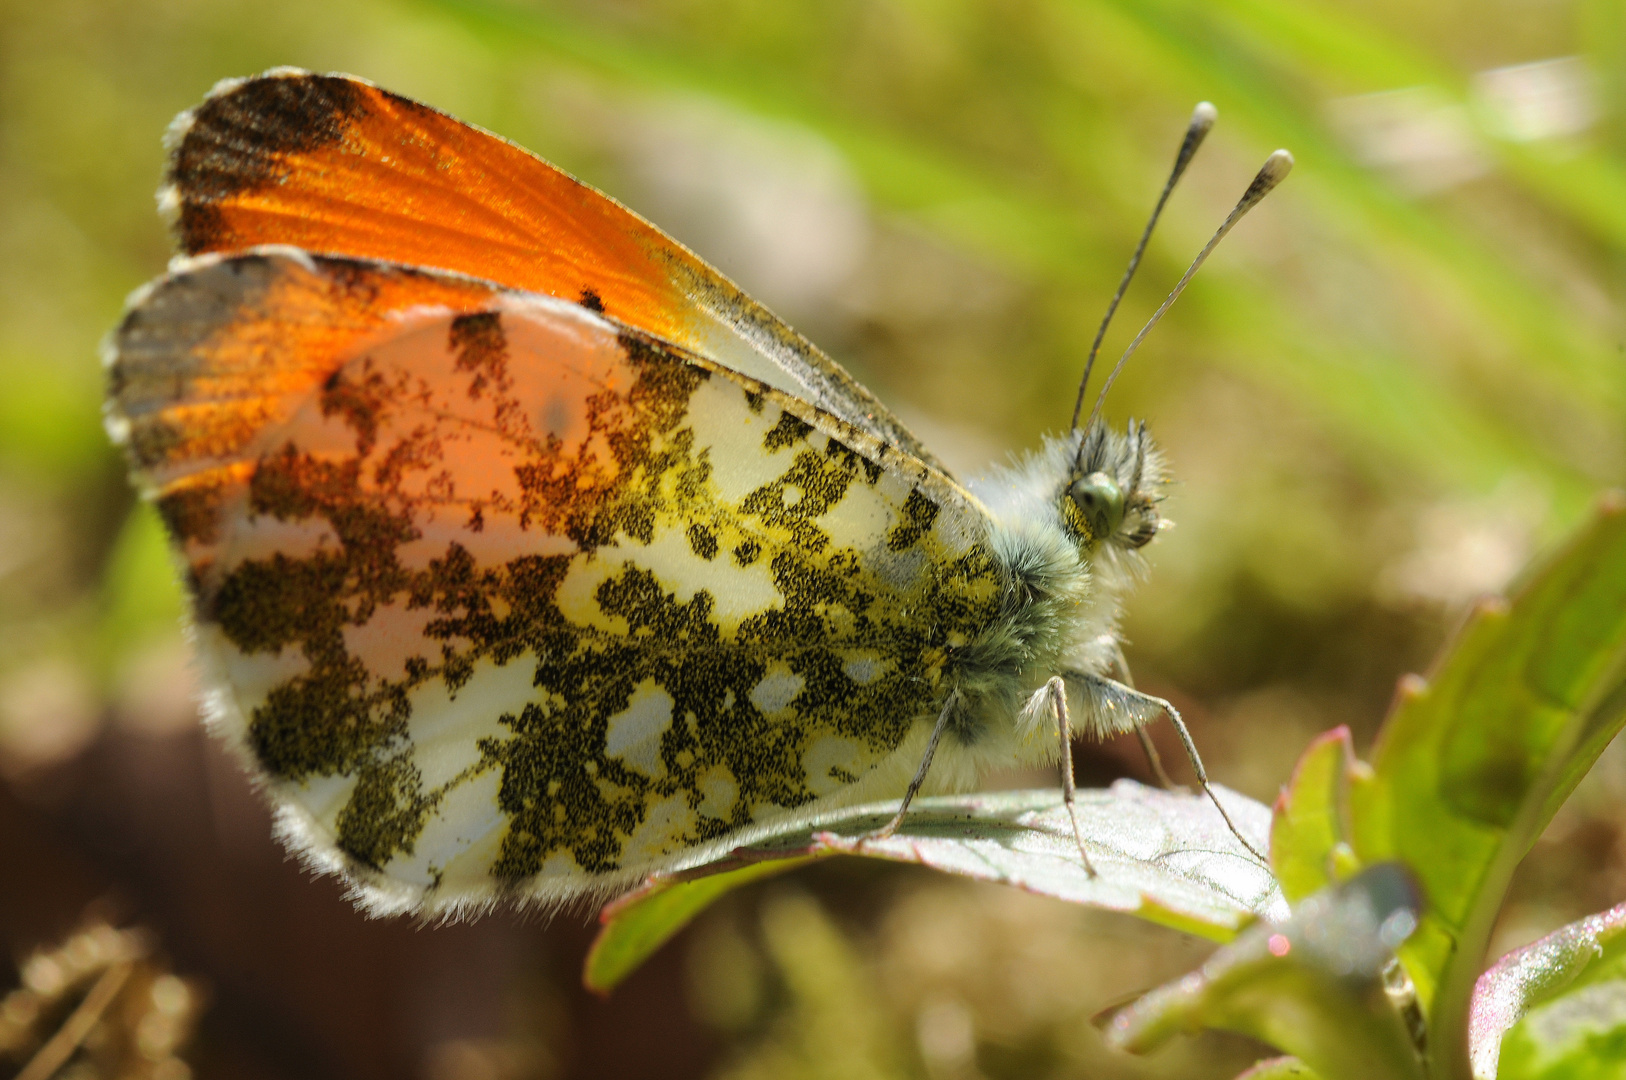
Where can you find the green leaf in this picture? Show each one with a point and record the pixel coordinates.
(1307, 834)
(1559, 968)
(1471, 765)
(1312, 986)
(1163, 856)
(1581, 1036)
(642, 921)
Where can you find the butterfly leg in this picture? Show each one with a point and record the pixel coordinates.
(1155, 761)
(1056, 692)
(950, 706)
(1120, 664)
(1140, 709)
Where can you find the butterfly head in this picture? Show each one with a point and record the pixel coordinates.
(1112, 492)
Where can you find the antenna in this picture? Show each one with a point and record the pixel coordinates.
(1270, 174)
(1202, 118)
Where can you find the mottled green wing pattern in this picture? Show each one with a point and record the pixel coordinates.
(505, 599)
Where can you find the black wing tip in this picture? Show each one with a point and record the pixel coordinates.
(236, 140)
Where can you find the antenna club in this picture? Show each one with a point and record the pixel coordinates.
(1203, 116)
(1271, 173)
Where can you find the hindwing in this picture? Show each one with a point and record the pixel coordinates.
(503, 596)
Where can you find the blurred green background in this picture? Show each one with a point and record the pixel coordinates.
(1399, 379)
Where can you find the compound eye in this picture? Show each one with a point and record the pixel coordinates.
(1101, 501)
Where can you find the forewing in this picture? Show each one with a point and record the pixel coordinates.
(503, 598)
(332, 164)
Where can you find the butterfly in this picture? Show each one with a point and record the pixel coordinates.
(529, 556)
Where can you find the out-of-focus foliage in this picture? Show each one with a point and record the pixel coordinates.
(1279, 1068)
(1468, 769)
(949, 981)
(98, 1006)
(1397, 379)
(1312, 984)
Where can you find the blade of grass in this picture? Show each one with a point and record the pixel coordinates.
(1394, 405)
(1208, 44)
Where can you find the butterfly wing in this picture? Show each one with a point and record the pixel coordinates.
(505, 598)
(332, 164)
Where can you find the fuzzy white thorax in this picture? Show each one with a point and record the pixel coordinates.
(1076, 632)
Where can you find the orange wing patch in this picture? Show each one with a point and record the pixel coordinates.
(213, 356)
(332, 164)
(335, 165)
